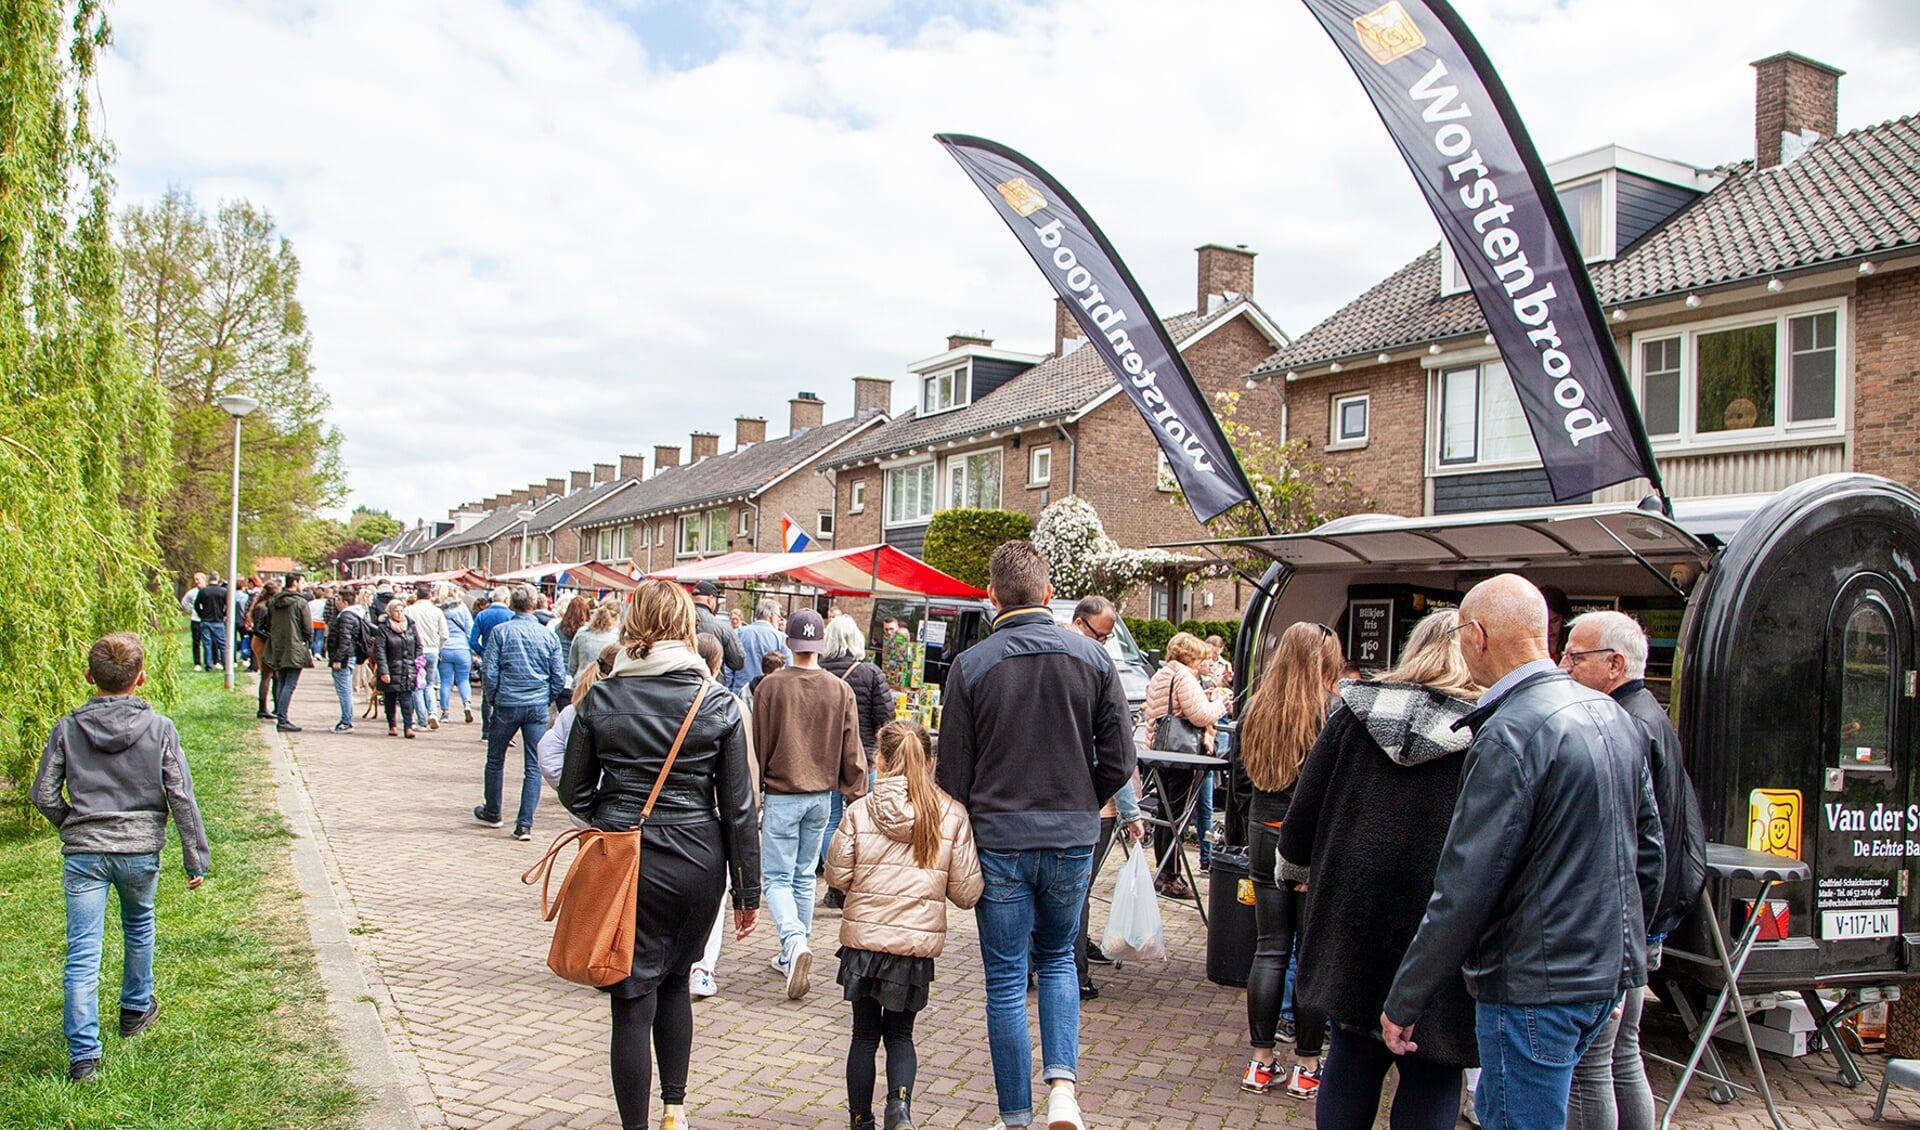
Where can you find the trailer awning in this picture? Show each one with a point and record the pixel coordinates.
(1504, 539)
(868, 570)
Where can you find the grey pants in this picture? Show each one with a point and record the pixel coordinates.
(1610, 1085)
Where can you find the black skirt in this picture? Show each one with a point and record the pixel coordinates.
(683, 877)
(899, 983)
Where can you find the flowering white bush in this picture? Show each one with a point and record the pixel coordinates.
(1072, 539)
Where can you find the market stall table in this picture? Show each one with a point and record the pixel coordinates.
(1154, 763)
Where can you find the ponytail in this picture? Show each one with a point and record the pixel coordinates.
(903, 753)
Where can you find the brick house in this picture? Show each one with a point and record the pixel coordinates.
(998, 429)
(1766, 311)
(725, 502)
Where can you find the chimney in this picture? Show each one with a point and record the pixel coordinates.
(581, 481)
(805, 411)
(631, 467)
(1792, 94)
(703, 445)
(1065, 329)
(606, 472)
(749, 430)
(518, 498)
(537, 491)
(872, 394)
(957, 341)
(664, 457)
(1226, 273)
(556, 488)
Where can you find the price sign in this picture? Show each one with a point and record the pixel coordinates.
(1370, 632)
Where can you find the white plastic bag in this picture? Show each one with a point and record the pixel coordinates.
(1134, 930)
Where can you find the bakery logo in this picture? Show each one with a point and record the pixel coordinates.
(1020, 196)
(1388, 33)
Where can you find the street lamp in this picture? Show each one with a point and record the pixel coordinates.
(235, 406)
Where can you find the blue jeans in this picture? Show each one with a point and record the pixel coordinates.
(86, 878)
(343, 689)
(530, 722)
(284, 680)
(214, 632)
(837, 807)
(1527, 1056)
(456, 667)
(318, 644)
(424, 694)
(1031, 905)
(791, 829)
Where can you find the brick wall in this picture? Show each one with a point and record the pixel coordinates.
(802, 496)
(1391, 469)
(1886, 376)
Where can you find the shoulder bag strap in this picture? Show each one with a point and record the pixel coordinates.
(542, 872)
(699, 696)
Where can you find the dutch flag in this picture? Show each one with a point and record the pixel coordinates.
(792, 537)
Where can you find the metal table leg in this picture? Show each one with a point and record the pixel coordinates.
(1730, 968)
(1829, 1021)
(1182, 867)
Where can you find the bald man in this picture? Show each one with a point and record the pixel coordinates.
(1550, 871)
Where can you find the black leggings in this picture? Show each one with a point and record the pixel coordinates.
(1278, 914)
(871, 1025)
(666, 1014)
(1179, 782)
(401, 701)
(1426, 1098)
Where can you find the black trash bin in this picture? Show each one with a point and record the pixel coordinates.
(1231, 933)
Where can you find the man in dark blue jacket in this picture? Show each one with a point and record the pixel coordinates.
(485, 621)
(1034, 739)
(1551, 868)
(524, 670)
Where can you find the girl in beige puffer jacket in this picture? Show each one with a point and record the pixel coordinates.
(902, 853)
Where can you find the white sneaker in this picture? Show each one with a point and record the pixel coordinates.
(701, 985)
(1063, 1111)
(779, 963)
(799, 970)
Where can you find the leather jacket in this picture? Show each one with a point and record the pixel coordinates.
(621, 733)
(1552, 862)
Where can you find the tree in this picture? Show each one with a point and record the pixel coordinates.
(374, 525)
(315, 540)
(348, 550)
(1082, 559)
(960, 540)
(84, 433)
(212, 310)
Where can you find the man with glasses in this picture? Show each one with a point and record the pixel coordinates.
(1607, 652)
(1551, 869)
(1094, 618)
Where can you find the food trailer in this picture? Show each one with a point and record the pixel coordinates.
(1782, 632)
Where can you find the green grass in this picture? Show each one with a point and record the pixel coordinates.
(242, 1038)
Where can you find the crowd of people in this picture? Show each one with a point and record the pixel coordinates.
(1501, 938)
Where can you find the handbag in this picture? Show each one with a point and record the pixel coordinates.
(593, 915)
(1174, 734)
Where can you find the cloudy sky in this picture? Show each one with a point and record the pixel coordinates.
(538, 234)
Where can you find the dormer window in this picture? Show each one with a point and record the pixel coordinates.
(946, 389)
(1589, 214)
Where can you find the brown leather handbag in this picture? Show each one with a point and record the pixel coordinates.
(593, 915)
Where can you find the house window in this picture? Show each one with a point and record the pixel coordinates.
(716, 539)
(1740, 378)
(943, 390)
(1349, 421)
(857, 496)
(1479, 418)
(1163, 478)
(612, 545)
(910, 494)
(1039, 466)
(746, 522)
(1585, 204)
(690, 527)
(974, 480)
(660, 534)
(823, 521)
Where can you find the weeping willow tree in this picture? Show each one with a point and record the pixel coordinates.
(84, 436)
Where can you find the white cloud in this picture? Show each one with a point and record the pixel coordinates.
(532, 241)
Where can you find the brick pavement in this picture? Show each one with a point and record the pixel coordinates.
(455, 953)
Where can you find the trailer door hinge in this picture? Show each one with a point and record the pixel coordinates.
(1906, 881)
(1913, 683)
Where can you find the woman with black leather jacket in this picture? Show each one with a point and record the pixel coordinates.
(703, 827)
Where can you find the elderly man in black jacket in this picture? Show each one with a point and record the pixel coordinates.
(1607, 652)
(1551, 868)
(706, 598)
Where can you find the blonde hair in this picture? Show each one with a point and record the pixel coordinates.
(1187, 648)
(1289, 706)
(660, 610)
(606, 615)
(903, 753)
(1431, 657)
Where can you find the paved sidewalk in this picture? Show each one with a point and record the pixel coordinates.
(454, 952)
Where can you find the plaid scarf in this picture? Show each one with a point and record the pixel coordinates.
(1413, 724)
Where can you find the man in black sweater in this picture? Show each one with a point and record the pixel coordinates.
(210, 604)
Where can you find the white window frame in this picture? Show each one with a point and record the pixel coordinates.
(857, 496)
(714, 540)
(1336, 415)
(611, 544)
(688, 533)
(823, 524)
(959, 462)
(1039, 466)
(660, 533)
(930, 493)
(1454, 281)
(746, 522)
(1164, 480)
(1690, 438)
(1436, 387)
(931, 404)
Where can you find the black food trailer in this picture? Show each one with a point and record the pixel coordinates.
(1782, 631)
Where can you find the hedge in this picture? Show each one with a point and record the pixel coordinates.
(960, 541)
(1152, 635)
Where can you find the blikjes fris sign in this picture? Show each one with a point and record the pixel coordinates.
(1450, 115)
(1084, 269)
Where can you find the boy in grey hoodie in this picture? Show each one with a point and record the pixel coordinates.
(111, 773)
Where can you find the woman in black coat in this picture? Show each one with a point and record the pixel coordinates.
(1369, 816)
(703, 830)
(396, 645)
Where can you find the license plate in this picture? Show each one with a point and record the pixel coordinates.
(1847, 925)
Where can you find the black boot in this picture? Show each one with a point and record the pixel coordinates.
(863, 1121)
(897, 1116)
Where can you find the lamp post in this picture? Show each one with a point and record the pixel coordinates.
(235, 406)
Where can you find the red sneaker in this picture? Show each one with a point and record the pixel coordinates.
(1304, 1082)
(1259, 1077)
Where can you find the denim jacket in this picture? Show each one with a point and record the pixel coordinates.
(524, 663)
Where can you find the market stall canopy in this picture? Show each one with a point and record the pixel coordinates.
(459, 578)
(868, 570)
